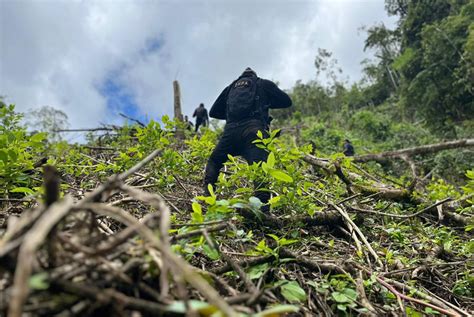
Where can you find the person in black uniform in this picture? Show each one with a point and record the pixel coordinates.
(244, 105)
(189, 124)
(348, 149)
(201, 116)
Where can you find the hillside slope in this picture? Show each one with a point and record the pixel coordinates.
(132, 233)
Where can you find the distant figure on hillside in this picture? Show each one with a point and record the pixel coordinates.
(244, 105)
(201, 116)
(189, 124)
(348, 148)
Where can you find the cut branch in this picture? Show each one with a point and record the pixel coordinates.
(132, 119)
(87, 130)
(408, 152)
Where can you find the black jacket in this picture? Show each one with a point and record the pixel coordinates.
(201, 113)
(348, 149)
(270, 97)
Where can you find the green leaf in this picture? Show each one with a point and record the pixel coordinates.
(13, 154)
(341, 307)
(274, 237)
(197, 208)
(431, 311)
(271, 160)
(349, 292)
(293, 292)
(211, 190)
(38, 137)
(262, 247)
(255, 202)
(469, 228)
(39, 281)
(348, 295)
(313, 284)
(277, 311)
(243, 190)
(274, 133)
(257, 271)
(197, 214)
(274, 200)
(281, 176)
(25, 190)
(412, 312)
(203, 308)
(284, 241)
(470, 174)
(210, 200)
(211, 253)
(3, 156)
(340, 297)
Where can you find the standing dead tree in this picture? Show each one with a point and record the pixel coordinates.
(177, 101)
(178, 114)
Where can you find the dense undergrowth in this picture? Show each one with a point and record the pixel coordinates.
(311, 259)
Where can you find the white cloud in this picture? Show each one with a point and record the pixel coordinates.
(60, 53)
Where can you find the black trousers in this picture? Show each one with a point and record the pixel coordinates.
(237, 140)
(200, 121)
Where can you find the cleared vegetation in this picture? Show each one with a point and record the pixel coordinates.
(132, 233)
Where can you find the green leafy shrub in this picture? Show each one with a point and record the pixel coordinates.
(18, 152)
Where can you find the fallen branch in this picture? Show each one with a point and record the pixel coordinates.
(109, 295)
(185, 270)
(323, 267)
(353, 180)
(43, 226)
(132, 119)
(33, 240)
(87, 130)
(408, 152)
(415, 300)
(361, 235)
(198, 232)
(384, 191)
(438, 203)
(248, 283)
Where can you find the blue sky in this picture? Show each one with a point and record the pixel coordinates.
(93, 59)
(120, 99)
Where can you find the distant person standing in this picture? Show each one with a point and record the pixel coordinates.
(202, 118)
(348, 148)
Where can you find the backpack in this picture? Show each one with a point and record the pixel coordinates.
(242, 98)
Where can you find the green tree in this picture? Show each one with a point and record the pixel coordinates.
(48, 119)
(386, 44)
(435, 63)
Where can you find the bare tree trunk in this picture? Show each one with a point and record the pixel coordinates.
(177, 108)
(177, 101)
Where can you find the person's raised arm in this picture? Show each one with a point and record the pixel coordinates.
(278, 98)
(218, 109)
